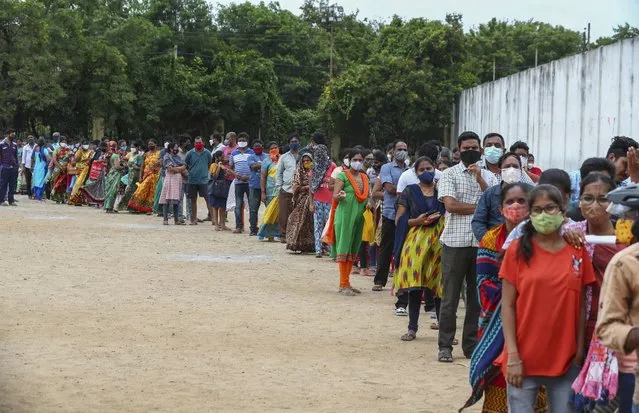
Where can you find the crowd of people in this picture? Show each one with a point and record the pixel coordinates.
(546, 263)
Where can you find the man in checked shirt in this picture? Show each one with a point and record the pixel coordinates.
(460, 189)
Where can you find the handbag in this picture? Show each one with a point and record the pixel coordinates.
(219, 187)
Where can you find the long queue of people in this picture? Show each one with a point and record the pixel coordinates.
(544, 260)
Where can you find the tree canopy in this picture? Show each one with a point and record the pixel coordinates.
(166, 67)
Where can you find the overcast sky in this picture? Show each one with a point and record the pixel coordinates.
(574, 14)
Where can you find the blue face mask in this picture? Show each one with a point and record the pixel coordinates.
(123, 147)
(492, 154)
(427, 177)
(294, 146)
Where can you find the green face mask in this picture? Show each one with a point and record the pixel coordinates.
(545, 223)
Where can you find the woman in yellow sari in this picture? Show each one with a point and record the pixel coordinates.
(142, 200)
(81, 161)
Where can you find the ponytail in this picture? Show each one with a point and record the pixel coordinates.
(525, 248)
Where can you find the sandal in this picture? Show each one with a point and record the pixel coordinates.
(348, 292)
(410, 336)
(445, 356)
(166, 223)
(434, 326)
(378, 288)
(455, 342)
(356, 291)
(180, 223)
(356, 271)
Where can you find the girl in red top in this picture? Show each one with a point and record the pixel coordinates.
(543, 307)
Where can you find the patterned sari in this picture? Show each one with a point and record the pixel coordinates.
(59, 178)
(299, 231)
(485, 377)
(132, 183)
(82, 160)
(142, 200)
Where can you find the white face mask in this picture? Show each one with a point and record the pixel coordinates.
(211, 142)
(531, 165)
(510, 175)
(242, 144)
(166, 145)
(134, 150)
(63, 145)
(356, 165)
(85, 147)
(346, 162)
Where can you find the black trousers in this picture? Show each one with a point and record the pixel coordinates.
(8, 183)
(176, 213)
(459, 264)
(414, 305)
(28, 176)
(385, 251)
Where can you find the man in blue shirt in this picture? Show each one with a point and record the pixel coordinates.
(255, 184)
(198, 160)
(8, 168)
(239, 163)
(389, 177)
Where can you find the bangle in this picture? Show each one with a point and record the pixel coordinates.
(514, 363)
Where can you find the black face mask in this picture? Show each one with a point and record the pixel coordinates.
(470, 157)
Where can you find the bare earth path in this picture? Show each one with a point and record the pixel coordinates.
(116, 313)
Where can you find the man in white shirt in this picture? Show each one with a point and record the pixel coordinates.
(409, 177)
(27, 167)
(460, 189)
(216, 142)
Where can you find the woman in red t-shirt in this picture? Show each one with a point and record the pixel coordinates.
(543, 307)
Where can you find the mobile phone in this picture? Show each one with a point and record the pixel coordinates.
(434, 211)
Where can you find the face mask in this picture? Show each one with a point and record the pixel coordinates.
(151, 147)
(346, 162)
(545, 223)
(211, 142)
(85, 147)
(515, 213)
(469, 157)
(199, 146)
(134, 150)
(176, 151)
(531, 165)
(226, 142)
(258, 151)
(510, 175)
(242, 144)
(294, 146)
(427, 177)
(63, 145)
(523, 160)
(308, 164)
(166, 145)
(401, 155)
(390, 157)
(623, 231)
(274, 154)
(492, 154)
(368, 163)
(356, 165)
(30, 143)
(123, 148)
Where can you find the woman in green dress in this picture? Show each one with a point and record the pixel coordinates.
(134, 165)
(112, 186)
(350, 195)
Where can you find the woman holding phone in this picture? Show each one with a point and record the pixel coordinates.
(418, 252)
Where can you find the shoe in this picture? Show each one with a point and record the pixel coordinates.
(166, 223)
(13, 204)
(4, 204)
(401, 312)
(238, 231)
(253, 234)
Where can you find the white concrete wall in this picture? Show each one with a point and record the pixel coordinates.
(567, 110)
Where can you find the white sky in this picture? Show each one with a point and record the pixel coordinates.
(573, 14)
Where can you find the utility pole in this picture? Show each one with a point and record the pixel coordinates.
(330, 15)
(588, 34)
(494, 68)
(536, 55)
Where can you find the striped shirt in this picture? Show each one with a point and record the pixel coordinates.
(239, 162)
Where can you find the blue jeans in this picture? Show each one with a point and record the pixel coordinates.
(241, 189)
(8, 183)
(189, 211)
(626, 392)
(522, 400)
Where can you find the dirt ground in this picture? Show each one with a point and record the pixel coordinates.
(117, 313)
